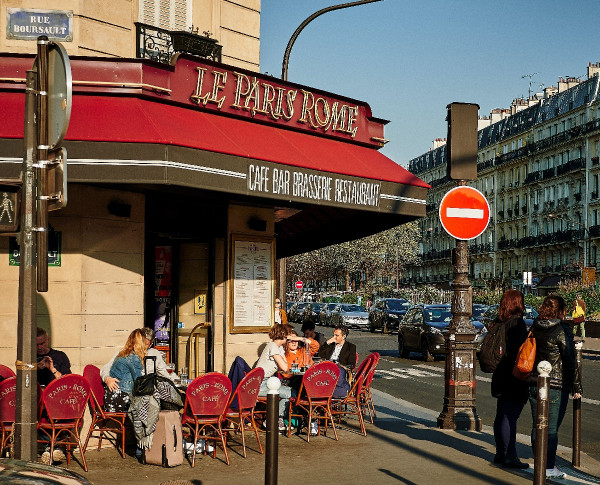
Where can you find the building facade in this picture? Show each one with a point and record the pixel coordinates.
(537, 165)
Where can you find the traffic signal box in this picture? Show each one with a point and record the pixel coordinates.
(462, 141)
(9, 208)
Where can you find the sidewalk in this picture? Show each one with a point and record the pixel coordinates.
(591, 346)
(403, 446)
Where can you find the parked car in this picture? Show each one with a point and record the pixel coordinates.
(325, 313)
(492, 312)
(296, 310)
(387, 313)
(478, 310)
(288, 305)
(423, 329)
(31, 473)
(311, 313)
(351, 315)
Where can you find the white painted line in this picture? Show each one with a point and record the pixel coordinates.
(464, 213)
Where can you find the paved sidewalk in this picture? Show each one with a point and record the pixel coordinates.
(403, 446)
(590, 346)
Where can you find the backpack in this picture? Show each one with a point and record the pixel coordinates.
(493, 347)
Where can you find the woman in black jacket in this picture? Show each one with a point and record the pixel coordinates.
(554, 343)
(510, 391)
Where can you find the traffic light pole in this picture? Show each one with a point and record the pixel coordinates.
(26, 399)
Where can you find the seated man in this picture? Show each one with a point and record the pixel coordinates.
(308, 330)
(161, 367)
(338, 349)
(52, 363)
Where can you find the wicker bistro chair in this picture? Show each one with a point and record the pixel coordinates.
(8, 396)
(366, 398)
(63, 405)
(206, 401)
(102, 421)
(6, 372)
(240, 409)
(351, 404)
(315, 394)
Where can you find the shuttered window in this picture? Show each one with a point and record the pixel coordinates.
(167, 14)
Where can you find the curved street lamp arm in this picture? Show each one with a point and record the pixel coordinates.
(288, 49)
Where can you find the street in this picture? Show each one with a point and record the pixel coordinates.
(423, 384)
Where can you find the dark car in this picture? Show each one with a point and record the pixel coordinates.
(21, 472)
(325, 313)
(423, 329)
(295, 313)
(311, 313)
(349, 314)
(478, 310)
(288, 305)
(492, 312)
(387, 313)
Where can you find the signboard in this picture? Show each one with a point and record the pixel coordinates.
(253, 286)
(54, 250)
(199, 302)
(29, 24)
(464, 212)
(163, 273)
(588, 276)
(9, 209)
(299, 285)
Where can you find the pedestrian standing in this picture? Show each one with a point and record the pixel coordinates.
(578, 314)
(280, 315)
(510, 392)
(554, 343)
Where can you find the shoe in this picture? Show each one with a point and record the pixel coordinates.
(58, 455)
(314, 429)
(554, 473)
(188, 447)
(282, 426)
(498, 459)
(45, 459)
(514, 463)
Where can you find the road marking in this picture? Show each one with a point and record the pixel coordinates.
(464, 213)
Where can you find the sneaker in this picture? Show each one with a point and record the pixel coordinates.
(188, 447)
(282, 426)
(45, 459)
(554, 473)
(314, 429)
(209, 448)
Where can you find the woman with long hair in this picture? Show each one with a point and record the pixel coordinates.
(554, 343)
(510, 392)
(127, 367)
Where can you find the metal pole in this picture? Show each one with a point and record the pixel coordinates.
(272, 451)
(288, 49)
(26, 398)
(575, 459)
(540, 449)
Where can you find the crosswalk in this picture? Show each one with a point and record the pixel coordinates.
(420, 371)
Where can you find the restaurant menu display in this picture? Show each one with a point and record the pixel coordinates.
(253, 284)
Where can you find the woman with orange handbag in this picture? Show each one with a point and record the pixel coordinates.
(554, 343)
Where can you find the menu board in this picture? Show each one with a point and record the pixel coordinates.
(252, 285)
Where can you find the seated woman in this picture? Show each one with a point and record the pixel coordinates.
(127, 367)
(296, 354)
(272, 360)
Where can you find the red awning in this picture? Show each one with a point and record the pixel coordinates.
(134, 120)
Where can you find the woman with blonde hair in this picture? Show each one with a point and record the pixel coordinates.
(127, 367)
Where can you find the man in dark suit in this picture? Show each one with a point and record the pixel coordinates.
(338, 350)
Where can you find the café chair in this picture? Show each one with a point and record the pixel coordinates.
(63, 406)
(240, 409)
(206, 400)
(366, 398)
(8, 396)
(6, 372)
(102, 421)
(315, 394)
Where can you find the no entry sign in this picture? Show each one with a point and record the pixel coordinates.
(464, 212)
(299, 285)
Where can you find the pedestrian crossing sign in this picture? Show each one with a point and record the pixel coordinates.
(9, 209)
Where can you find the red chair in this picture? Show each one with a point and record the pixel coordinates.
(247, 397)
(102, 421)
(8, 397)
(366, 398)
(316, 390)
(206, 401)
(63, 405)
(6, 372)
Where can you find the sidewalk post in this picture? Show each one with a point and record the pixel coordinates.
(575, 459)
(540, 449)
(272, 453)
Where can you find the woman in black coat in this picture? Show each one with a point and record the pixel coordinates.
(511, 393)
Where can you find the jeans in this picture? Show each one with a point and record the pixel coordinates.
(557, 407)
(505, 427)
(582, 327)
(285, 392)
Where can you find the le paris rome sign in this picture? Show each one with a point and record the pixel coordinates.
(464, 212)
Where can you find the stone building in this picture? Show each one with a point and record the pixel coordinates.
(537, 165)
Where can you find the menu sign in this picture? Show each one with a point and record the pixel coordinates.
(252, 285)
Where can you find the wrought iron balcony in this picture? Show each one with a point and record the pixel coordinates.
(160, 44)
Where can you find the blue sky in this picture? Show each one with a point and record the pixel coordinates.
(410, 58)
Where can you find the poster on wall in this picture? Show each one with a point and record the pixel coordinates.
(252, 288)
(163, 271)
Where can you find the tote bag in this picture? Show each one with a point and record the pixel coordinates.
(525, 358)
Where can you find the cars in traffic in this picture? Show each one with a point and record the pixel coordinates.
(349, 314)
(492, 312)
(423, 329)
(296, 311)
(312, 312)
(325, 313)
(386, 313)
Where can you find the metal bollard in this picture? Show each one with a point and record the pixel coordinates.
(540, 450)
(272, 452)
(575, 459)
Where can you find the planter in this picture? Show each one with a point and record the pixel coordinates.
(197, 45)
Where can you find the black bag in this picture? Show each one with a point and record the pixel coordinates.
(342, 388)
(493, 347)
(145, 385)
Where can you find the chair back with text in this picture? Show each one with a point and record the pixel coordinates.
(208, 395)
(6, 372)
(8, 398)
(66, 398)
(247, 390)
(320, 380)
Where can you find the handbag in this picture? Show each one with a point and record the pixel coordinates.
(578, 314)
(145, 385)
(525, 358)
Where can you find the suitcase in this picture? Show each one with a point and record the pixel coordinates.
(167, 441)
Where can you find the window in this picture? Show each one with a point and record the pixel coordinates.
(167, 14)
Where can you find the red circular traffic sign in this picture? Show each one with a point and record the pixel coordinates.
(299, 285)
(464, 212)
